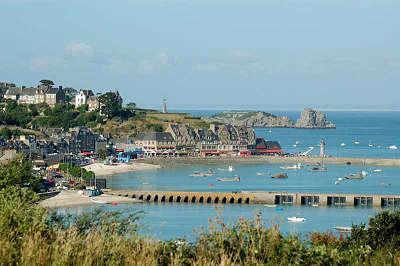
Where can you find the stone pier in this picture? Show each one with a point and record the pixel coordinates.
(261, 197)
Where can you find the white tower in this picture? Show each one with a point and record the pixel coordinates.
(322, 145)
(164, 110)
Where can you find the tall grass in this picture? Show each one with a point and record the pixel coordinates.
(31, 236)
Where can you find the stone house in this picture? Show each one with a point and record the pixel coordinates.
(93, 103)
(41, 94)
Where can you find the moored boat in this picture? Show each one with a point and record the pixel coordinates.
(295, 219)
(229, 179)
(292, 167)
(280, 175)
(358, 176)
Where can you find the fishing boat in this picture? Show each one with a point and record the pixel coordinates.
(280, 175)
(358, 176)
(229, 179)
(271, 205)
(295, 219)
(393, 147)
(292, 167)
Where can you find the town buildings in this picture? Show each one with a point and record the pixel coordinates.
(154, 142)
(41, 94)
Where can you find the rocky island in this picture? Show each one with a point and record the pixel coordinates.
(309, 118)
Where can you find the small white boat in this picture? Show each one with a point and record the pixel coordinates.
(292, 167)
(271, 205)
(359, 175)
(315, 205)
(377, 170)
(263, 173)
(295, 219)
(297, 142)
(356, 142)
(295, 145)
(393, 147)
(343, 144)
(229, 179)
(337, 182)
(230, 168)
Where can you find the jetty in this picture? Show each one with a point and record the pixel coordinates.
(262, 197)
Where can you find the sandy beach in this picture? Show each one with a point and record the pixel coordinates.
(102, 170)
(68, 198)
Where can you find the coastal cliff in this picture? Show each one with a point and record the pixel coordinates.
(309, 119)
(251, 119)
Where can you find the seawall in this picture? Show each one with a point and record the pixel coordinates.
(273, 160)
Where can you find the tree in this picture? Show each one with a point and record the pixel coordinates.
(46, 82)
(110, 104)
(18, 173)
(131, 106)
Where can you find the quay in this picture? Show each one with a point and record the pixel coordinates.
(168, 161)
(267, 197)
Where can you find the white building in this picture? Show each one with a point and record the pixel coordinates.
(82, 97)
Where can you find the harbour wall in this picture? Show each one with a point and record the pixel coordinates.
(168, 161)
(267, 197)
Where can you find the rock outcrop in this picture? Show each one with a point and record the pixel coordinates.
(251, 119)
(310, 118)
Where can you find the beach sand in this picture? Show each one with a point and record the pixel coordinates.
(101, 169)
(68, 198)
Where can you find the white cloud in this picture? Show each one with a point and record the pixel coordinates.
(156, 63)
(79, 49)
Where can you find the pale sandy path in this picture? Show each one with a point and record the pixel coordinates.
(68, 198)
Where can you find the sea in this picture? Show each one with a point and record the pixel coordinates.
(358, 134)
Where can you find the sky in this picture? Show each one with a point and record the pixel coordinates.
(208, 53)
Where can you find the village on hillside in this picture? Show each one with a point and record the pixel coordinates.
(54, 124)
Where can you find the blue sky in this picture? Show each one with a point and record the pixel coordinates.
(209, 53)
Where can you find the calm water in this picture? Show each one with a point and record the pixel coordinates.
(184, 220)
(166, 221)
(380, 129)
(256, 177)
